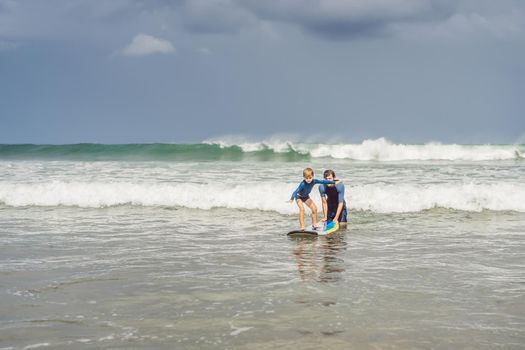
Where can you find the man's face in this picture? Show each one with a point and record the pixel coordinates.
(308, 178)
(329, 177)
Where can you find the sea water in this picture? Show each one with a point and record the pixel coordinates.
(185, 246)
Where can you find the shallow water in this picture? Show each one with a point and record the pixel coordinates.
(165, 277)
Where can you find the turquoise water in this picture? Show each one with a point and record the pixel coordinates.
(122, 250)
(263, 151)
(152, 152)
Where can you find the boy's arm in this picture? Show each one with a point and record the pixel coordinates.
(299, 188)
(323, 182)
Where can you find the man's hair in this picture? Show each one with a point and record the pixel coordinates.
(308, 172)
(329, 172)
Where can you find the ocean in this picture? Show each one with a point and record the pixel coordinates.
(163, 246)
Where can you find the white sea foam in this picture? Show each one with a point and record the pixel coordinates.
(36, 346)
(382, 198)
(381, 150)
(389, 198)
(276, 145)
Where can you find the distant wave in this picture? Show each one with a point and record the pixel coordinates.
(380, 198)
(384, 150)
(144, 152)
(216, 149)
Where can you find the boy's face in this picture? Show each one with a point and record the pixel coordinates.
(308, 178)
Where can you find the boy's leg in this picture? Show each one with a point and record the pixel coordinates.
(313, 208)
(301, 212)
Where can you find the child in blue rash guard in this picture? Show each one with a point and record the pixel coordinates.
(302, 195)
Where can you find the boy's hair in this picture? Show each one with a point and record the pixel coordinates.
(329, 172)
(308, 172)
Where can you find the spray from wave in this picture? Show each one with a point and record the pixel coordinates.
(383, 150)
(380, 198)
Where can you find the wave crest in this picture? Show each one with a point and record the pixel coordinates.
(383, 150)
(380, 198)
(380, 150)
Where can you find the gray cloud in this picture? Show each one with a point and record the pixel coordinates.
(328, 18)
(214, 16)
(66, 18)
(350, 18)
(332, 19)
(5, 5)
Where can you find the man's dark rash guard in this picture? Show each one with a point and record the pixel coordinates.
(334, 196)
(305, 188)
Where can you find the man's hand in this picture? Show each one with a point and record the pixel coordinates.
(290, 201)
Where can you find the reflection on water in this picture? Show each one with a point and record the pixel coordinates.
(320, 258)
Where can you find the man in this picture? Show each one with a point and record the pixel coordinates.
(333, 197)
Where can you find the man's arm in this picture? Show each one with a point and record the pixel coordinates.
(340, 187)
(341, 200)
(322, 192)
(338, 212)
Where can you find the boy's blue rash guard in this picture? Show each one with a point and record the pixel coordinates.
(340, 192)
(305, 188)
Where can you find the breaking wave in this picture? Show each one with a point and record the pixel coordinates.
(384, 150)
(380, 150)
(380, 198)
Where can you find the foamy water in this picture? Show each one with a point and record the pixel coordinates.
(379, 187)
(378, 198)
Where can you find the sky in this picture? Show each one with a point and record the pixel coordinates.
(183, 71)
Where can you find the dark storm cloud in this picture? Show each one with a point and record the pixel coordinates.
(350, 18)
(328, 18)
(331, 19)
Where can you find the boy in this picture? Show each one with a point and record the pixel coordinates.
(302, 195)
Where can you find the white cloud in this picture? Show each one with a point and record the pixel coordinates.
(143, 45)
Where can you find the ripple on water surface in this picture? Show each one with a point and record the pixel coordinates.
(154, 277)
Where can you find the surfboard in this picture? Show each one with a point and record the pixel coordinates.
(326, 229)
